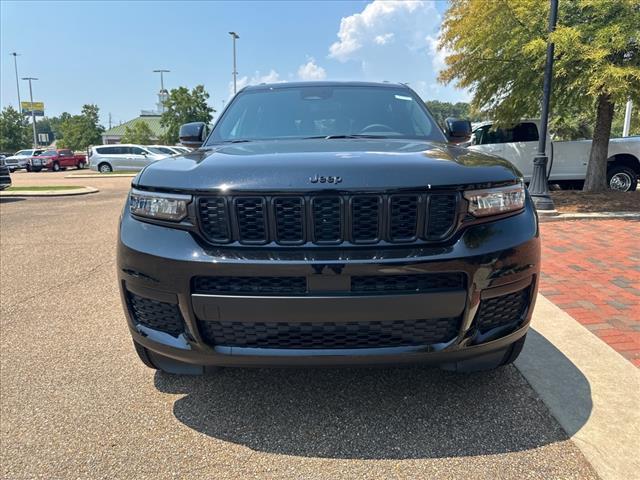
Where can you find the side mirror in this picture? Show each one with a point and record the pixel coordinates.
(193, 134)
(458, 131)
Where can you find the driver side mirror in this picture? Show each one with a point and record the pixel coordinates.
(193, 134)
(458, 131)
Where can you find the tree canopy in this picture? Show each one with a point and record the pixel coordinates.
(184, 106)
(80, 131)
(442, 110)
(13, 134)
(139, 133)
(497, 50)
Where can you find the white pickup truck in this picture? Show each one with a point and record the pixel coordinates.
(567, 160)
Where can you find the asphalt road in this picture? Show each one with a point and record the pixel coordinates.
(76, 402)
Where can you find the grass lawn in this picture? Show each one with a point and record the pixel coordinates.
(39, 188)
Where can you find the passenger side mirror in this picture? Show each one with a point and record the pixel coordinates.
(193, 134)
(458, 131)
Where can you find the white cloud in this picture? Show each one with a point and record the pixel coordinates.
(256, 79)
(383, 39)
(379, 23)
(311, 71)
(438, 56)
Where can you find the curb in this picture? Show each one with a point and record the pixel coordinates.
(49, 193)
(590, 389)
(100, 175)
(590, 216)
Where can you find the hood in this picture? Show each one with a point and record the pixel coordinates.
(293, 165)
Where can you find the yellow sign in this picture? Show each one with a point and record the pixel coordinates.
(37, 107)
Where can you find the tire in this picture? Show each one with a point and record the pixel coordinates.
(490, 361)
(55, 167)
(165, 364)
(105, 168)
(28, 167)
(622, 178)
(80, 165)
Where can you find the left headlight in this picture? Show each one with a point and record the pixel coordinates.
(161, 206)
(494, 201)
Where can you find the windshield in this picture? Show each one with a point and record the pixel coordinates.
(23, 153)
(325, 111)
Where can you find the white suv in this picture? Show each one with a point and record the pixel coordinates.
(109, 158)
(20, 159)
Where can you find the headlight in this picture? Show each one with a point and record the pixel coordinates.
(493, 201)
(163, 206)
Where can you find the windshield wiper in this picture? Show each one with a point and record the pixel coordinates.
(238, 140)
(333, 137)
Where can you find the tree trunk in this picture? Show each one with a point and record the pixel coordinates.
(596, 180)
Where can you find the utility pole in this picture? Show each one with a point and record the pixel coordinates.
(162, 90)
(15, 66)
(234, 36)
(109, 120)
(33, 114)
(539, 186)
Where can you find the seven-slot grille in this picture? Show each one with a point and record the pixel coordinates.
(328, 219)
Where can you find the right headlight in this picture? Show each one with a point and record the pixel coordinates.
(494, 201)
(161, 206)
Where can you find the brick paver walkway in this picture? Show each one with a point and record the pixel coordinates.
(591, 269)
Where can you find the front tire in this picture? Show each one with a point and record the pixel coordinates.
(80, 165)
(55, 167)
(622, 178)
(105, 168)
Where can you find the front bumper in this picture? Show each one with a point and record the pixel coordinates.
(496, 258)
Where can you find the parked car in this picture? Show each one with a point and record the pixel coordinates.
(164, 149)
(5, 177)
(181, 149)
(328, 223)
(20, 159)
(567, 160)
(55, 160)
(109, 158)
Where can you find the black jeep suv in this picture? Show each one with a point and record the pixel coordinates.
(325, 224)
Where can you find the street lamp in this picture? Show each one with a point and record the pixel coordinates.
(234, 36)
(33, 115)
(539, 186)
(15, 65)
(162, 95)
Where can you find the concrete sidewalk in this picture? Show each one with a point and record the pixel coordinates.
(591, 390)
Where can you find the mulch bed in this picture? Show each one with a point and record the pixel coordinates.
(573, 201)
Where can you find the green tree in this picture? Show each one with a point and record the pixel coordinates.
(138, 133)
(80, 131)
(498, 51)
(183, 106)
(13, 133)
(442, 110)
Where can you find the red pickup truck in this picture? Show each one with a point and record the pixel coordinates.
(55, 160)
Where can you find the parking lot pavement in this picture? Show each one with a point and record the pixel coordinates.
(76, 402)
(591, 269)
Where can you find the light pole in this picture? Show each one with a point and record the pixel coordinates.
(33, 115)
(234, 36)
(162, 91)
(15, 65)
(539, 186)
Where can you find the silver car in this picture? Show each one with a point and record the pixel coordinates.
(21, 158)
(111, 158)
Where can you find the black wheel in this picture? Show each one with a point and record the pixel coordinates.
(490, 361)
(105, 168)
(622, 178)
(80, 165)
(56, 167)
(166, 364)
(28, 168)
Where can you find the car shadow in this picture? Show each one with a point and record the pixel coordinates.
(374, 413)
(11, 199)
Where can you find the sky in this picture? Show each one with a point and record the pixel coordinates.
(105, 52)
